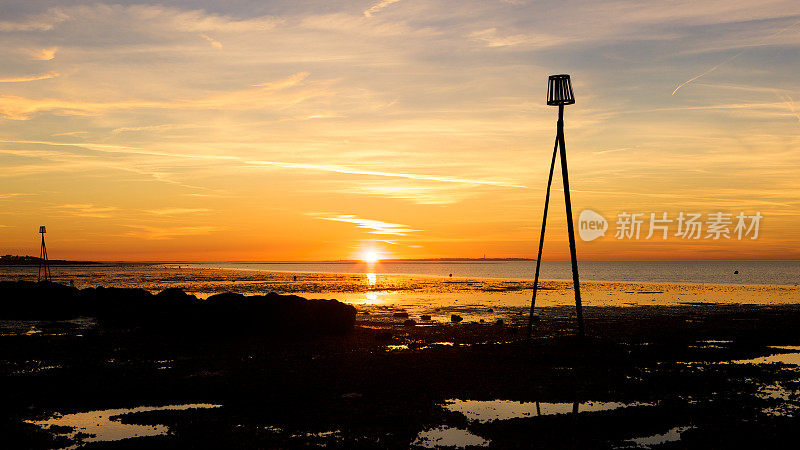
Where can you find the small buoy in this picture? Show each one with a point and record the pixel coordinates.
(451, 274)
(735, 272)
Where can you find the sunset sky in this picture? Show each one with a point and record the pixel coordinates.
(318, 130)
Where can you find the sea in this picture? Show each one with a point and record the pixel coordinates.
(756, 272)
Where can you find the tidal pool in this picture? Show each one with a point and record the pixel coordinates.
(445, 436)
(491, 410)
(792, 357)
(104, 425)
(673, 435)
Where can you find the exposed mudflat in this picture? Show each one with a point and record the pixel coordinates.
(668, 375)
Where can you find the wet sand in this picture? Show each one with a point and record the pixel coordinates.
(668, 365)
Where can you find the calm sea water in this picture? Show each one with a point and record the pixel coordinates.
(711, 272)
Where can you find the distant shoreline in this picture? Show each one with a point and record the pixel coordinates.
(13, 260)
(435, 260)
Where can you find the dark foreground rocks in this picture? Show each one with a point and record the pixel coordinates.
(383, 384)
(174, 311)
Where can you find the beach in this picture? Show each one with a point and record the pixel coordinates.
(668, 364)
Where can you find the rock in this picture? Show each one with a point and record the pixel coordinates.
(455, 318)
(44, 300)
(499, 323)
(491, 310)
(275, 314)
(425, 317)
(401, 315)
(410, 323)
(175, 294)
(384, 336)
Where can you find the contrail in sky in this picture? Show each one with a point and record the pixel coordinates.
(735, 56)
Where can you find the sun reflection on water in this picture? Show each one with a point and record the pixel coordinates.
(371, 298)
(372, 279)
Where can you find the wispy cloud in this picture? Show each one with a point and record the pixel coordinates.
(39, 22)
(276, 94)
(44, 54)
(159, 233)
(176, 211)
(789, 102)
(419, 194)
(87, 210)
(46, 76)
(162, 127)
(378, 6)
(12, 195)
(492, 38)
(71, 133)
(412, 176)
(214, 43)
(333, 168)
(376, 226)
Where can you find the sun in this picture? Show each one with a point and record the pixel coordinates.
(371, 257)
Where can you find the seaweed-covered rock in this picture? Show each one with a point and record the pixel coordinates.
(174, 311)
(43, 300)
(274, 314)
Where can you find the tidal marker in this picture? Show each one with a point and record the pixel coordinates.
(559, 93)
(44, 267)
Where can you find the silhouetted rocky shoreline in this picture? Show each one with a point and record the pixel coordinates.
(174, 311)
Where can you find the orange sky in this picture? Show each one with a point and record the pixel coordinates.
(417, 129)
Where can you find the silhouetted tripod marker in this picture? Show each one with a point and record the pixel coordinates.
(559, 93)
(44, 267)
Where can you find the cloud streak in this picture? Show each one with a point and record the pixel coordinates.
(176, 211)
(88, 210)
(369, 12)
(376, 226)
(162, 233)
(46, 76)
(411, 176)
(214, 43)
(762, 41)
(265, 95)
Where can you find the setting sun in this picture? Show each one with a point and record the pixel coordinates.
(371, 257)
